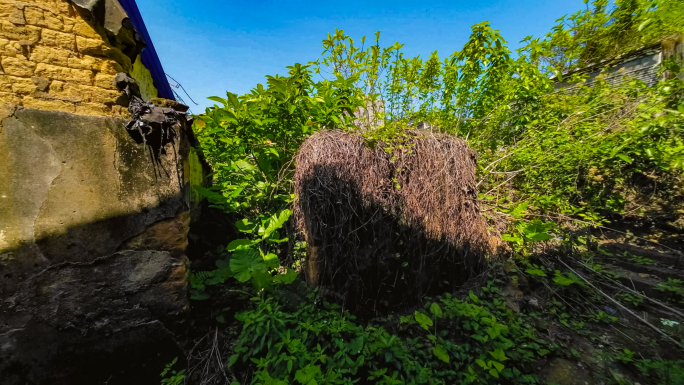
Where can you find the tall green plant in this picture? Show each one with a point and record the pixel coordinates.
(250, 139)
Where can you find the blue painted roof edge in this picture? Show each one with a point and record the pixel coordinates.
(149, 54)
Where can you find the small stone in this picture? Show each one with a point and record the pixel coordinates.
(42, 84)
(17, 17)
(533, 302)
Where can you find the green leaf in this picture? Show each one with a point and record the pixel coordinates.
(625, 158)
(274, 222)
(424, 321)
(240, 244)
(233, 100)
(233, 359)
(261, 278)
(245, 225)
(356, 345)
(473, 297)
(271, 260)
(561, 280)
(499, 354)
(244, 263)
(436, 310)
(539, 237)
(441, 353)
(217, 99)
(644, 24)
(536, 272)
(286, 278)
(499, 366)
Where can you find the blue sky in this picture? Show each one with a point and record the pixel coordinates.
(216, 46)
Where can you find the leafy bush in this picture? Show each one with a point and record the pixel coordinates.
(250, 139)
(472, 340)
(546, 156)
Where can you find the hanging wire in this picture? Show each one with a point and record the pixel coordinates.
(178, 85)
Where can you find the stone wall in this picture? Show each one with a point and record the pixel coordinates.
(93, 230)
(55, 56)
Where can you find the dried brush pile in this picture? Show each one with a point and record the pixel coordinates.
(384, 228)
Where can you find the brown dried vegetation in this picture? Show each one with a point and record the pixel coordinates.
(385, 228)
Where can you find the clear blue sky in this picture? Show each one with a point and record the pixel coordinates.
(216, 46)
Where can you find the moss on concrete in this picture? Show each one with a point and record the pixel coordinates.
(144, 78)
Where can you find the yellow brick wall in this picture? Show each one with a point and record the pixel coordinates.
(53, 58)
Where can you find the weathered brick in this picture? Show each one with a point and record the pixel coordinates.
(105, 81)
(69, 24)
(86, 63)
(93, 109)
(66, 74)
(58, 39)
(111, 67)
(10, 97)
(28, 33)
(48, 104)
(48, 55)
(58, 7)
(121, 112)
(90, 46)
(82, 28)
(58, 96)
(22, 86)
(99, 95)
(53, 21)
(5, 83)
(89, 94)
(7, 9)
(56, 86)
(18, 66)
(36, 16)
(118, 56)
(3, 44)
(10, 50)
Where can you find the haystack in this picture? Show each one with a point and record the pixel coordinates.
(385, 228)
